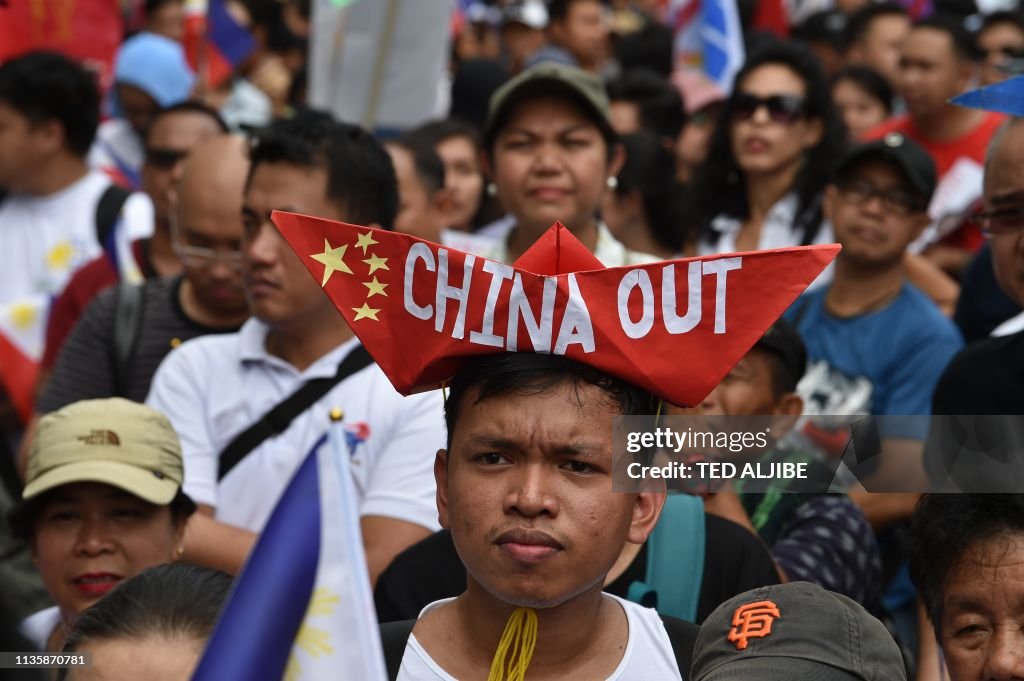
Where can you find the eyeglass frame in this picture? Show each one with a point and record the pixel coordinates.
(203, 257)
(984, 221)
(909, 208)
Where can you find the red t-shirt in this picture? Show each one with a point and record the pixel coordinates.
(83, 286)
(973, 145)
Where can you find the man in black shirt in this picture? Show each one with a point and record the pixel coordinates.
(987, 377)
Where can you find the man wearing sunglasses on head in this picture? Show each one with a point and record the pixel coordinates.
(126, 331)
(876, 344)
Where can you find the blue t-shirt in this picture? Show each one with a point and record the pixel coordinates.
(882, 363)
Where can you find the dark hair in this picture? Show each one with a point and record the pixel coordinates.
(828, 26)
(435, 132)
(428, 165)
(43, 86)
(558, 10)
(527, 373)
(360, 175)
(1004, 16)
(650, 170)
(720, 188)
(943, 529)
(152, 6)
(962, 40)
(174, 600)
(473, 84)
(659, 102)
(859, 23)
(189, 106)
(650, 47)
(22, 518)
(868, 80)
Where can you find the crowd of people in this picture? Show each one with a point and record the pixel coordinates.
(187, 361)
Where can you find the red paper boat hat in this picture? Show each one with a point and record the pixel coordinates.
(674, 328)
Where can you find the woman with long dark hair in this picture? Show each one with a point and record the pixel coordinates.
(771, 156)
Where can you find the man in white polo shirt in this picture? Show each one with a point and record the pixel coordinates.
(215, 389)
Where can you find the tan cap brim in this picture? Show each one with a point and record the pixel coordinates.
(145, 484)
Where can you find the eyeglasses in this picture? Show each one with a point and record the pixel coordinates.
(197, 256)
(165, 159)
(895, 201)
(786, 109)
(1002, 221)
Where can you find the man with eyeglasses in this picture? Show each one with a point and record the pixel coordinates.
(170, 136)
(988, 376)
(876, 344)
(208, 297)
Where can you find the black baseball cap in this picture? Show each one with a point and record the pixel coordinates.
(782, 340)
(899, 149)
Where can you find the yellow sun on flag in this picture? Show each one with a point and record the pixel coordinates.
(59, 257)
(311, 640)
(23, 315)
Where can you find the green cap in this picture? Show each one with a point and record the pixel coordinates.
(113, 441)
(549, 79)
(794, 631)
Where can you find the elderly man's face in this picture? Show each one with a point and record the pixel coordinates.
(527, 493)
(982, 624)
(1004, 195)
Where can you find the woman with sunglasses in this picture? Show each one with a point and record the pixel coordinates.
(771, 156)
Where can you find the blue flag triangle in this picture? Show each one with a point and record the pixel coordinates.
(1006, 97)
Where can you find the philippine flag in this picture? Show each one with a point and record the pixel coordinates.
(302, 608)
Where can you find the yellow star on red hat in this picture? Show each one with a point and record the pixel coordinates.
(366, 312)
(364, 241)
(375, 287)
(377, 263)
(332, 260)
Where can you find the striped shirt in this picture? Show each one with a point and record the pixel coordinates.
(86, 367)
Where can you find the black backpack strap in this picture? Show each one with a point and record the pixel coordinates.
(127, 324)
(277, 420)
(393, 637)
(107, 210)
(683, 637)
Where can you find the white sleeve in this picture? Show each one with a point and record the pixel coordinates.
(138, 216)
(178, 392)
(401, 484)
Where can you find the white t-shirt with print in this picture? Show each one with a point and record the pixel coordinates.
(648, 655)
(214, 387)
(44, 239)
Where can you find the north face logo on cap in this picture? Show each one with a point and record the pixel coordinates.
(100, 437)
(753, 620)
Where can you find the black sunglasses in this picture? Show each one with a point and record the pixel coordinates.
(785, 109)
(164, 158)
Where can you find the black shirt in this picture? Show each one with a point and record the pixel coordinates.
(734, 561)
(985, 380)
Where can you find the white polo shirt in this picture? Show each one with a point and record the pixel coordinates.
(212, 388)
